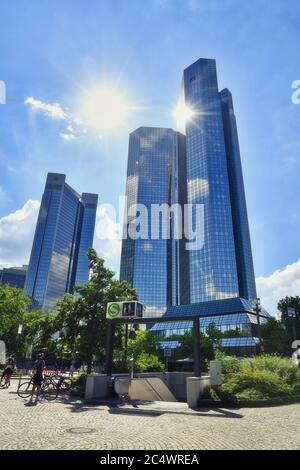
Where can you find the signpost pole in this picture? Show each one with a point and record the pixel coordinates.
(110, 333)
(126, 343)
(294, 328)
(257, 310)
(196, 337)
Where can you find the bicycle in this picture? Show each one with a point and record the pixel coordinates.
(48, 389)
(63, 383)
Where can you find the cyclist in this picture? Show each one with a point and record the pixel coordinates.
(7, 373)
(37, 378)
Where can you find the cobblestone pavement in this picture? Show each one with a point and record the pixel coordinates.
(71, 424)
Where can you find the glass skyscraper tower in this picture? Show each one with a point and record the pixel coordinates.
(146, 262)
(64, 232)
(223, 267)
(199, 165)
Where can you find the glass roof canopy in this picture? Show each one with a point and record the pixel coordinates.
(214, 307)
(220, 312)
(225, 343)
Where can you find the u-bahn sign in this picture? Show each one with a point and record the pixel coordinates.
(127, 309)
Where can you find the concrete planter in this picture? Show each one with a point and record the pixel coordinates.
(196, 387)
(97, 386)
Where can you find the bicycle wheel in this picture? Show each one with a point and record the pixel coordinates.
(49, 391)
(24, 390)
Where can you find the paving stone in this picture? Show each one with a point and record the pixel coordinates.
(69, 423)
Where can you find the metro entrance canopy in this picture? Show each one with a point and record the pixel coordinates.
(111, 322)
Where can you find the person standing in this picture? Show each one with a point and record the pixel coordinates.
(37, 378)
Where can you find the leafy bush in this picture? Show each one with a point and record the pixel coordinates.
(256, 384)
(284, 368)
(230, 364)
(148, 363)
(262, 377)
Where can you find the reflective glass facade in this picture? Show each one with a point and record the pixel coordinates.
(245, 270)
(62, 233)
(223, 268)
(146, 263)
(14, 277)
(85, 235)
(199, 164)
(234, 314)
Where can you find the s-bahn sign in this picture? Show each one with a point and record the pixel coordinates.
(127, 309)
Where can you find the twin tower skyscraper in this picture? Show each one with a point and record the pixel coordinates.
(197, 165)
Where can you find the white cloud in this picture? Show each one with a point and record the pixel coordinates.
(52, 110)
(16, 234)
(107, 242)
(67, 136)
(278, 285)
(73, 126)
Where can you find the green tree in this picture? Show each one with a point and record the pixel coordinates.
(283, 305)
(293, 302)
(143, 347)
(13, 305)
(81, 318)
(32, 323)
(209, 343)
(143, 342)
(276, 337)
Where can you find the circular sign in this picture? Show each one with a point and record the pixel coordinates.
(114, 310)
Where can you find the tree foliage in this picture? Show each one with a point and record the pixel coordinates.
(277, 339)
(81, 318)
(13, 305)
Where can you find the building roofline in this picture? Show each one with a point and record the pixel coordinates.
(152, 127)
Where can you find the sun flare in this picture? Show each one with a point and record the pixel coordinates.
(103, 109)
(183, 114)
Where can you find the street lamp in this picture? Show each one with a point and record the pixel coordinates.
(291, 312)
(257, 310)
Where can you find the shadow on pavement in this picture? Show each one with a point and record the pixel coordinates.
(142, 408)
(217, 413)
(145, 408)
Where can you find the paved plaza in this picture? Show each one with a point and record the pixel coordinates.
(71, 424)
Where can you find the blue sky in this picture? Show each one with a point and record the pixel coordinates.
(54, 50)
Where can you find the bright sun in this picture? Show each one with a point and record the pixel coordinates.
(182, 114)
(103, 108)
